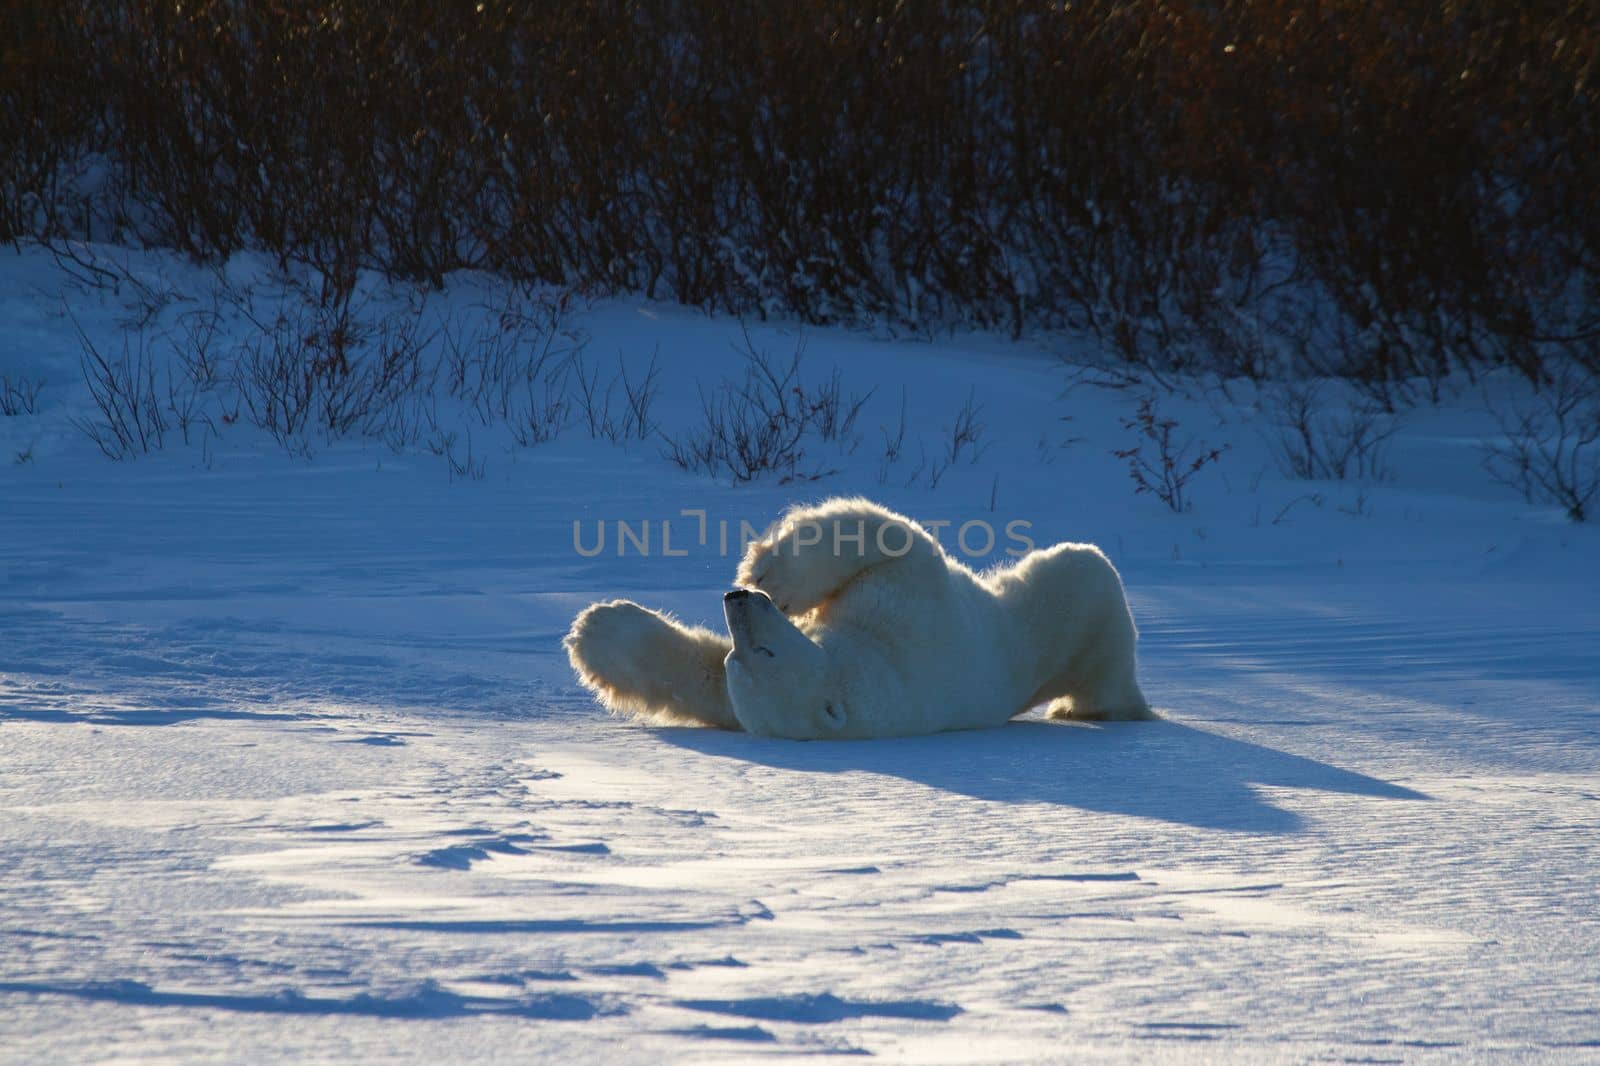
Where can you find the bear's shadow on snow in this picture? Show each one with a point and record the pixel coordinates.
(1164, 770)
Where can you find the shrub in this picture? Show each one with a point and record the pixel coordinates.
(1314, 443)
(761, 424)
(1378, 191)
(131, 421)
(1551, 448)
(19, 395)
(1157, 462)
(633, 398)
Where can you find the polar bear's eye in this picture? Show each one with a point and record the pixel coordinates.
(832, 713)
(764, 650)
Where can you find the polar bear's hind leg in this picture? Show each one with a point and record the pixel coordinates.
(1101, 686)
(642, 663)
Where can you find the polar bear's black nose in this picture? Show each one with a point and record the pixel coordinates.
(736, 594)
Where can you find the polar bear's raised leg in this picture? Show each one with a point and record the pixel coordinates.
(814, 551)
(639, 662)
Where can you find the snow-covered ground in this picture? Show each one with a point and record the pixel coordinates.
(293, 768)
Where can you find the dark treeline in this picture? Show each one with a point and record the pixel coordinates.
(1375, 188)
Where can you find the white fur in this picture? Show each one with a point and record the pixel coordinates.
(839, 637)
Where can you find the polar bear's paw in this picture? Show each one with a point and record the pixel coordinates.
(619, 646)
(796, 580)
(1079, 709)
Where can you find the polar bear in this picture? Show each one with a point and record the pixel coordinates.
(850, 621)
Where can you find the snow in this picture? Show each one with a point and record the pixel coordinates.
(293, 768)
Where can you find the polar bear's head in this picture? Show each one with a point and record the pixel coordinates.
(779, 679)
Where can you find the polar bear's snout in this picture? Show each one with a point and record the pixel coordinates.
(759, 628)
(746, 601)
(740, 607)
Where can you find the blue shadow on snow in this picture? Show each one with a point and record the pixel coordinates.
(428, 1001)
(1163, 770)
